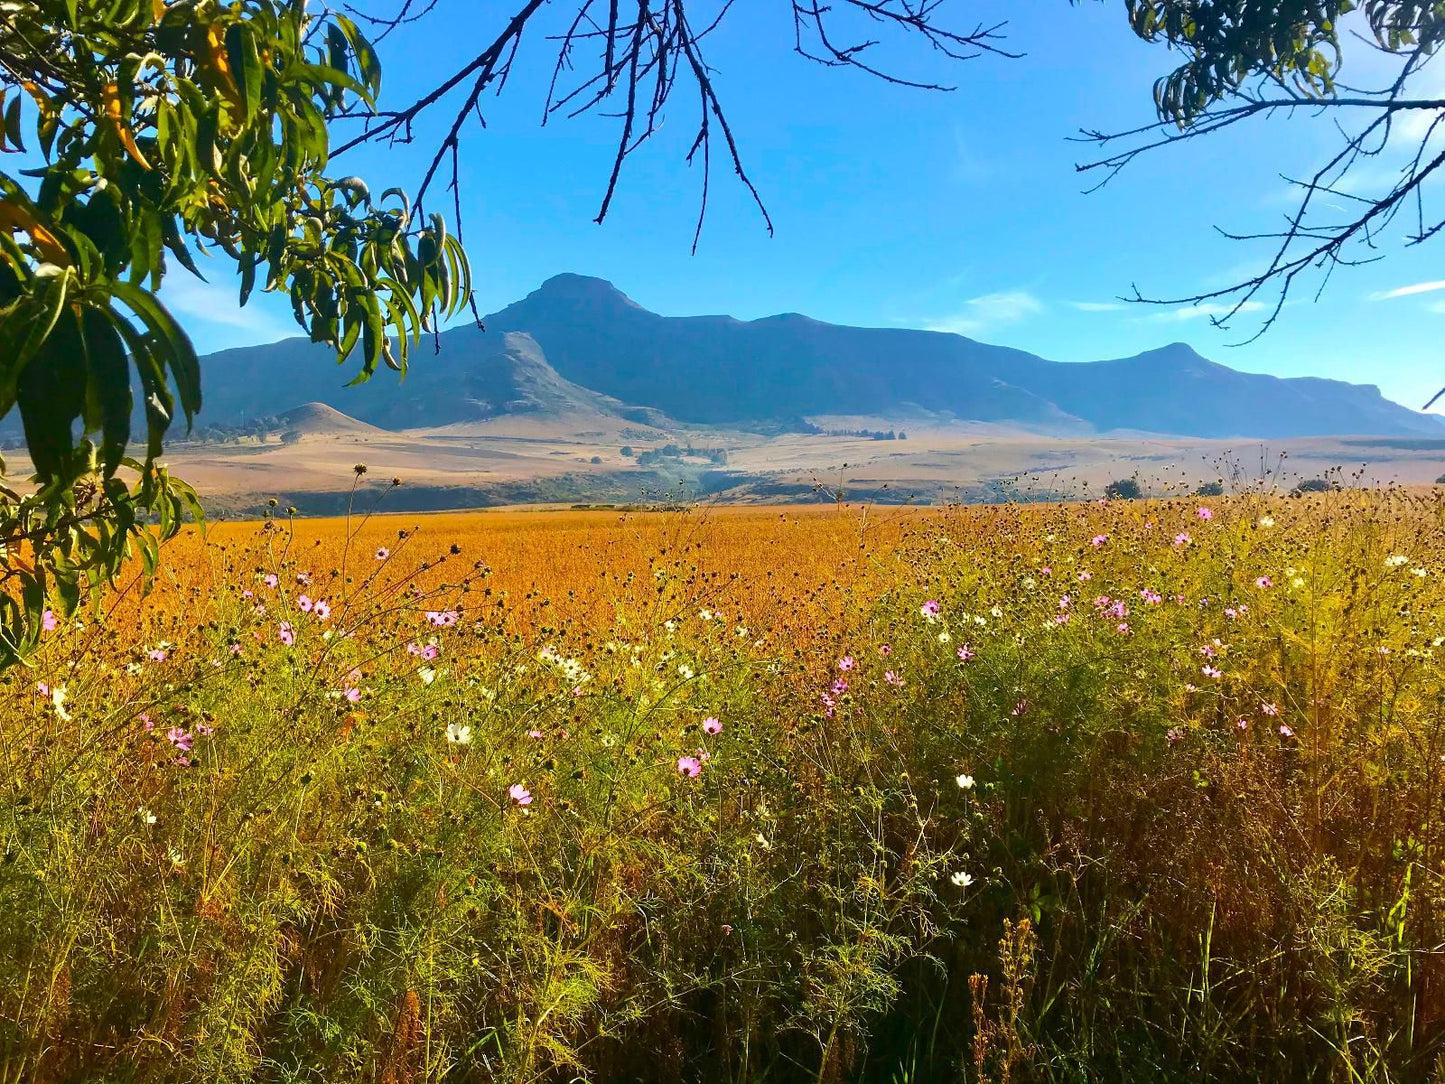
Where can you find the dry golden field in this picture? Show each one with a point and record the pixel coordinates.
(1131, 791)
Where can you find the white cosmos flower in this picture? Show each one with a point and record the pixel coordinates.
(1396, 560)
(943, 637)
(962, 878)
(57, 697)
(964, 781)
(459, 735)
(427, 675)
(146, 816)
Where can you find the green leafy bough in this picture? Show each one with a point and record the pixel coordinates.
(163, 130)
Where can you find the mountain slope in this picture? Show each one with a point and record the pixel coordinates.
(513, 378)
(599, 343)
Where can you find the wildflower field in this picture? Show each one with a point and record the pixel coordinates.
(1125, 791)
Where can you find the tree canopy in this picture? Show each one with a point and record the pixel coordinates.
(1245, 60)
(162, 132)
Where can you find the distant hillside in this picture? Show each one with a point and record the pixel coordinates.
(588, 346)
(320, 420)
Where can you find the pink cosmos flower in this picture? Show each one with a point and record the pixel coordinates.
(931, 608)
(248, 593)
(303, 602)
(1242, 723)
(711, 725)
(430, 651)
(205, 730)
(413, 649)
(1123, 627)
(146, 721)
(829, 706)
(1285, 731)
(42, 689)
(1098, 540)
(846, 663)
(893, 678)
(382, 553)
(1204, 514)
(1264, 581)
(322, 609)
(156, 655)
(1182, 538)
(1065, 602)
(1061, 619)
(1046, 571)
(839, 687)
(519, 794)
(1174, 735)
(1152, 598)
(1085, 576)
(353, 694)
(303, 578)
(271, 579)
(965, 653)
(689, 766)
(48, 621)
(286, 634)
(1211, 671)
(535, 734)
(884, 650)
(179, 738)
(1269, 709)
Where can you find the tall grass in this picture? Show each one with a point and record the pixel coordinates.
(1126, 791)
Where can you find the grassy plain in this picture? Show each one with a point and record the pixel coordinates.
(1122, 791)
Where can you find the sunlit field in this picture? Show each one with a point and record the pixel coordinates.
(1124, 791)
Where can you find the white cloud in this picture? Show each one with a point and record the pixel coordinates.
(1208, 309)
(1098, 306)
(217, 304)
(1408, 291)
(990, 310)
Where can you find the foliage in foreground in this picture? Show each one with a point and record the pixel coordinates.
(185, 131)
(1131, 791)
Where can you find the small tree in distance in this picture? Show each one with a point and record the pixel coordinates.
(1123, 489)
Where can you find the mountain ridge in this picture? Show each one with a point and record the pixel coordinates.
(617, 356)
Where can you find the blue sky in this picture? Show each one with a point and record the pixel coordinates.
(900, 207)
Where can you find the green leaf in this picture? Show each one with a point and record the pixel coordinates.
(51, 395)
(180, 354)
(109, 399)
(12, 124)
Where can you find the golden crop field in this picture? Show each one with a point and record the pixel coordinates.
(1127, 790)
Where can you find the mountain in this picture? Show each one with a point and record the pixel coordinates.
(579, 344)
